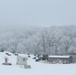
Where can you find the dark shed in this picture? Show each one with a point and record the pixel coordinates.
(60, 59)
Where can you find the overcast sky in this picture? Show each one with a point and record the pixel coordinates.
(38, 12)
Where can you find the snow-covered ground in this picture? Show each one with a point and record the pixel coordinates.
(37, 68)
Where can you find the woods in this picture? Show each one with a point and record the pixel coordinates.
(54, 40)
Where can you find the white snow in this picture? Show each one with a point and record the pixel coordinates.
(58, 56)
(37, 68)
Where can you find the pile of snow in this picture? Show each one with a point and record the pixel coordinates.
(37, 68)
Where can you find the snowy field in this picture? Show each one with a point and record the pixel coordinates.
(37, 68)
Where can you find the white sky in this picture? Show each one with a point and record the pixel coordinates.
(38, 12)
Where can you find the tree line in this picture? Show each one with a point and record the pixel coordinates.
(54, 40)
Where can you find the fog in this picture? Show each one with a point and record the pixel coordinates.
(38, 12)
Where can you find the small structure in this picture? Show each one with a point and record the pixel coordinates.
(6, 61)
(73, 55)
(21, 60)
(73, 58)
(60, 59)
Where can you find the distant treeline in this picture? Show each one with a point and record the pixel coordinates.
(55, 40)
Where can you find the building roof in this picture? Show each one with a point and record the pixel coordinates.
(22, 55)
(59, 56)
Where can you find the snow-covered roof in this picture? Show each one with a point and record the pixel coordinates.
(22, 55)
(59, 56)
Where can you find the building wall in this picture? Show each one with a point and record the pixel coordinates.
(21, 60)
(73, 58)
(59, 60)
